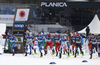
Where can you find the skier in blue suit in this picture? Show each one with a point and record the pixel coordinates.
(64, 44)
(11, 39)
(29, 38)
(79, 42)
(94, 44)
(40, 43)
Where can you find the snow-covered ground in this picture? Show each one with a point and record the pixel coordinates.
(20, 59)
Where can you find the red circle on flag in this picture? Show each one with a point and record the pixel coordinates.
(22, 14)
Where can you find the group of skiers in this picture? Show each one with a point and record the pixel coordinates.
(57, 43)
(93, 43)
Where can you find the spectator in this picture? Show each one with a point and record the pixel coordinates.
(87, 31)
(13, 10)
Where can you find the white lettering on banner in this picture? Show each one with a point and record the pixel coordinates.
(19, 25)
(54, 4)
(6, 18)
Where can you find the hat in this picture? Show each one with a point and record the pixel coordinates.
(56, 33)
(77, 34)
(9, 32)
(42, 29)
(27, 31)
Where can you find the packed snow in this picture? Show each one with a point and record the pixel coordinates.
(20, 59)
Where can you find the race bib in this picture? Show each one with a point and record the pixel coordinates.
(93, 42)
(39, 40)
(29, 40)
(67, 41)
(78, 42)
(12, 41)
(57, 41)
(73, 40)
(48, 40)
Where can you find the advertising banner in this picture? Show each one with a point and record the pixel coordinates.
(59, 4)
(53, 4)
(6, 18)
(19, 25)
(18, 33)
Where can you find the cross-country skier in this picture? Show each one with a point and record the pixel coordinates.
(42, 31)
(98, 41)
(49, 42)
(64, 45)
(34, 39)
(57, 43)
(78, 41)
(68, 44)
(94, 45)
(11, 38)
(40, 43)
(29, 42)
(73, 42)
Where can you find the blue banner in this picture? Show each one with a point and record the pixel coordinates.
(19, 25)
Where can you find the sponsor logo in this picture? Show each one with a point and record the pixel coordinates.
(17, 33)
(19, 25)
(54, 4)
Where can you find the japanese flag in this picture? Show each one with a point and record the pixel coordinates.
(22, 14)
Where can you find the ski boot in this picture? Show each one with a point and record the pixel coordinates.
(53, 52)
(90, 56)
(60, 55)
(75, 55)
(30, 53)
(68, 54)
(41, 55)
(34, 51)
(13, 53)
(25, 53)
(45, 52)
(70, 50)
(82, 53)
(56, 53)
(77, 52)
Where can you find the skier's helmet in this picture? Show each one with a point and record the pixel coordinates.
(27, 32)
(9, 32)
